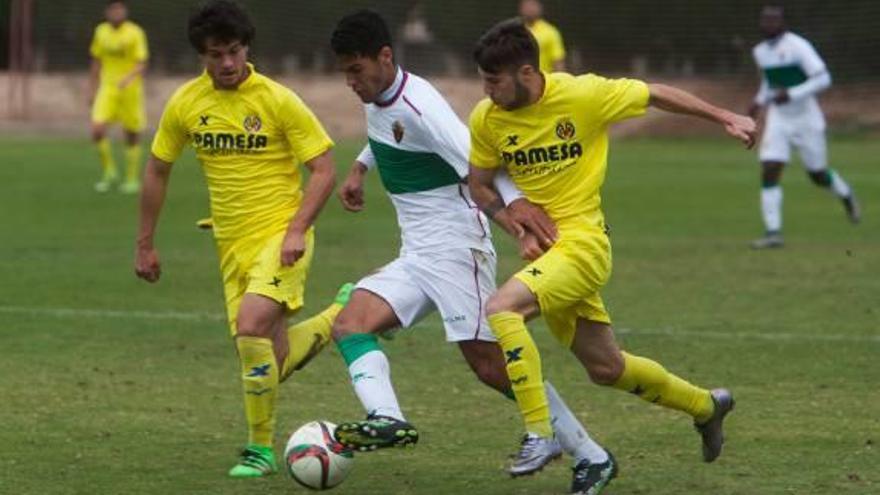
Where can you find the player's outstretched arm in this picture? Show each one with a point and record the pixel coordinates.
(319, 188)
(351, 192)
(676, 100)
(155, 184)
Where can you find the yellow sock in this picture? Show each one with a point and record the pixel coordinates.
(105, 152)
(650, 381)
(307, 338)
(524, 370)
(133, 163)
(259, 374)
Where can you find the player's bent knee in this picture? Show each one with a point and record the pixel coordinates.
(346, 323)
(606, 372)
(498, 304)
(821, 178)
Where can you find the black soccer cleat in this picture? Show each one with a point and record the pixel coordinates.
(591, 479)
(376, 432)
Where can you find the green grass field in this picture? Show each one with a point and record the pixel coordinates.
(111, 386)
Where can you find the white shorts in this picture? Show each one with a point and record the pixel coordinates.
(807, 135)
(457, 283)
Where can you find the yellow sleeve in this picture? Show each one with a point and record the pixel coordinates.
(171, 136)
(617, 99)
(557, 47)
(305, 134)
(95, 48)
(141, 50)
(483, 154)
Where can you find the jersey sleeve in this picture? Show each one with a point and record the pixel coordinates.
(818, 78)
(616, 99)
(483, 154)
(95, 47)
(171, 136)
(811, 62)
(141, 50)
(305, 134)
(366, 157)
(448, 135)
(557, 47)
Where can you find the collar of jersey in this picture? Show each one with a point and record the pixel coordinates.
(390, 95)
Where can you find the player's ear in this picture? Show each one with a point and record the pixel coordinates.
(386, 54)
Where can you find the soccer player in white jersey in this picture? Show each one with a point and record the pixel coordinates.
(792, 75)
(419, 147)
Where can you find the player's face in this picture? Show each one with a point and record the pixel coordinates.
(530, 10)
(116, 13)
(505, 89)
(772, 24)
(367, 76)
(225, 62)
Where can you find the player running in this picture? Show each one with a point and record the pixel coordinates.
(550, 45)
(792, 75)
(250, 135)
(116, 92)
(419, 147)
(550, 132)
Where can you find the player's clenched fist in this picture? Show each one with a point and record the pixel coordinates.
(351, 192)
(293, 248)
(146, 264)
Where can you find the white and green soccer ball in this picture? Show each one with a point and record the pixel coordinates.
(315, 459)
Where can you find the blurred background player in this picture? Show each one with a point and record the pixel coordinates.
(549, 40)
(116, 92)
(792, 75)
(550, 132)
(251, 135)
(447, 262)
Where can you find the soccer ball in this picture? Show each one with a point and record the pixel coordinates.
(315, 459)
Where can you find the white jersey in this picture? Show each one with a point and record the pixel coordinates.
(790, 62)
(420, 148)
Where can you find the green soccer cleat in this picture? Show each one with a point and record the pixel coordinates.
(256, 461)
(376, 432)
(105, 184)
(343, 295)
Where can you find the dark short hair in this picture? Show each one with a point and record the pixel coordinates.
(362, 33)
(507, 45)
(222, 20)
(111, 2)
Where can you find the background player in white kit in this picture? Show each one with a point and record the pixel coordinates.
(420, 149)
(792, 75)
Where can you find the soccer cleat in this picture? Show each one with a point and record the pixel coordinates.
(105, 184)
(376, 432)
(769, 241)
(534, 453)
(591, 479)
(130, 187)
(853, 210)
(255, 461)
(711, 431)
(344, 294)
(205, 223)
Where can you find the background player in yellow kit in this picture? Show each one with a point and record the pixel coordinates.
(116, 92)
(550, 131)
(550, 44)
(250, 134)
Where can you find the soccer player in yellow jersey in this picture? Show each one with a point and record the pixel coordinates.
(116, 93)
(251, 135)
(550, 131)
(550, 44)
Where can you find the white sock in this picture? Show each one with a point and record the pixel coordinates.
(371, 378)
(838, 185)
(571, 434)
(771, 208)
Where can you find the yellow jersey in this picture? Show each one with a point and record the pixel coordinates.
(119, 50)
(250, 141)
(556, 149)
(550, 44)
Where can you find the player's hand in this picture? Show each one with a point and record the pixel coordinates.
(742, 128)
(351, 192)
(529, 247)
(146, 264)
(293, 248)
(534, 220)
(782, 97)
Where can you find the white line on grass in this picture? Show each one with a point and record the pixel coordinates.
(201, 316)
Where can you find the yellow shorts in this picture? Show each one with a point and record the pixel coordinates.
(252, 265)
(567, 280)
(125, 106)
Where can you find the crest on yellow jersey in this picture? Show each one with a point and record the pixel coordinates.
(397, 129)
(565, 129)
(253, 124)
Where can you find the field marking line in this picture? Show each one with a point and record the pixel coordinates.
(218, 317)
